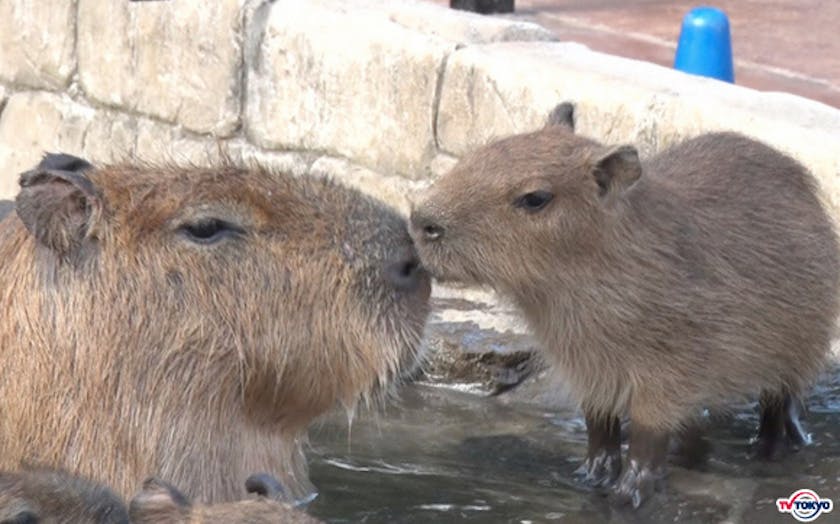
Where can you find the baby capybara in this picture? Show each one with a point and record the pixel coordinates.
(706, 274)
(190, 323)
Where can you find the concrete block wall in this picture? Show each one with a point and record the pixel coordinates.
(383, 95)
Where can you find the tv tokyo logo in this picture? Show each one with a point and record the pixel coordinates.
(804, 505)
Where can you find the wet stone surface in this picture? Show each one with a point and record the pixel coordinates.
(448, 450)
(478, 344)
(465, 355)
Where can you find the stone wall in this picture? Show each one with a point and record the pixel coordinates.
(380, 94)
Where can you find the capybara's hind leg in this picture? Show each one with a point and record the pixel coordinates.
(691, 448)
(603, 457)
(645, 469)
(780, 424)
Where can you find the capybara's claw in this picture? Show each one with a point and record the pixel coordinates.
(781, 429)
(600, 470)
(636, 485)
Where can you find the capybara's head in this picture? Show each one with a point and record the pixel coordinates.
(307, 292)
(510, 212)
(44, 496)
(160, 502)
(218, 309)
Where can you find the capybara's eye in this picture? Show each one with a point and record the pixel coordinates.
(533, 201)
(209, 230)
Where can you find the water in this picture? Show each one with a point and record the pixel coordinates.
(442, 455)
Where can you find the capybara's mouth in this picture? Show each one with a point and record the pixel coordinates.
(425, 288)
(442, 268)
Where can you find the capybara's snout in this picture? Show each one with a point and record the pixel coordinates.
(405, 273)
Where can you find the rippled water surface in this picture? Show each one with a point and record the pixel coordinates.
(439, 455)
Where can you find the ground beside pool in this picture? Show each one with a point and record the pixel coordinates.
(779, 45)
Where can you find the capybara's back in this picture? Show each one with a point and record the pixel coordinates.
(742, 265)
(190, 323)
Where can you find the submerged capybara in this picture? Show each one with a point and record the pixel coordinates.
(190, 323)
(42, 496)
(161, 503)
(703, 275)
(45, 496)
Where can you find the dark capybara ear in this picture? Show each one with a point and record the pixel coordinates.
(265, 485)
(58, 206)
(159, 502)
(24, 516)
(16, 510)
(617, 168)
(64, 162)
(562, 115)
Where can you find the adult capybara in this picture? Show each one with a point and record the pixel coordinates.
(708, 273)
(161, 503)
(190, 323)
(41, 496)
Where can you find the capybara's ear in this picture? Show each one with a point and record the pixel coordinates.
(159, 502)
(562, 115)
(24, 517)
(57, 205)
(265, 485)
(16, 511)
(64, 162)
(617, 168)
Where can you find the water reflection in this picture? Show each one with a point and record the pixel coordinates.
(440, 455)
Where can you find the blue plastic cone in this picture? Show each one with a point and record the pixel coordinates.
(705, 47)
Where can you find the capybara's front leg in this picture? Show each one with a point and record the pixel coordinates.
(603, 458)
(780, 418)
(645, 469)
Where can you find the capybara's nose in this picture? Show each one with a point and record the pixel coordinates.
(424, 228)
(405, 273)
(264, 485)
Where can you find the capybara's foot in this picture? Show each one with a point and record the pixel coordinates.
(645, 470)
(781, 427)
(600, 470)
(603, 457)
(637, 484)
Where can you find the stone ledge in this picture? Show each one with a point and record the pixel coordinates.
(345, 82)
(35, 121)
(37, 43)
(402, 88)
(177, 61)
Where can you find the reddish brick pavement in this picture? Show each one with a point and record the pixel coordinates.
(779, 45)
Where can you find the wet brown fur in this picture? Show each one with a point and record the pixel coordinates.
(161, 503)
(129, 351)
(711, 277)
